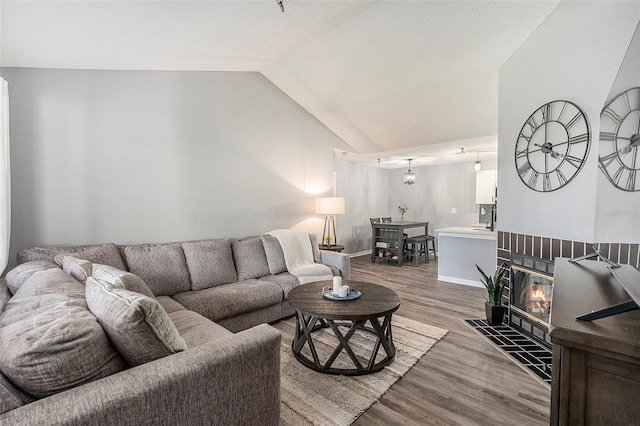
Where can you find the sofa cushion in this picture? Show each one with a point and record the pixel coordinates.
(80, 269)
(11, 397)
(210, 263)
(275, 254)
(169, 305)
(136, 324)
(229, 300)
(250, 259)
(49, 341)
(285, 280)
(122, 279)
(18, 275)
(197, 330)
(162, 266)
(107, 254)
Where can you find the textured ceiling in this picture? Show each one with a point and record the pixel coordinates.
(390, 78)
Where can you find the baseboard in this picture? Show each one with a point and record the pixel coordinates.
(462, 281)
(360, 253)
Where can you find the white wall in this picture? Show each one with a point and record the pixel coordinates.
(574, 55)
(136, 157)
(617, 212)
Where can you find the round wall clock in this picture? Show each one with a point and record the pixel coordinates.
(552, 146)
(619, 156)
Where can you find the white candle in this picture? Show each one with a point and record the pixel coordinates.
(337, 283)
(344, 291)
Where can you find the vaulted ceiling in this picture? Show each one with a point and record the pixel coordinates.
(392, 78)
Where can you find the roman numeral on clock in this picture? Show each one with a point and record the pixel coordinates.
(631, 180)
(612, 115)
(546, 183)
(579, 138)
(607, 136)
(533, 179)
(608, 159)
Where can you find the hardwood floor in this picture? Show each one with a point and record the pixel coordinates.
(462, 380)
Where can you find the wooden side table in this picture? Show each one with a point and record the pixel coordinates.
(335, 247)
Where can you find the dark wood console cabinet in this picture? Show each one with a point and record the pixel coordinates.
(596, 364)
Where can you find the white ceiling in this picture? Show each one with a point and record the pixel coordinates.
(393, 79)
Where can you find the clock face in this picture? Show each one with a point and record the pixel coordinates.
(619, 156)
(552, 146)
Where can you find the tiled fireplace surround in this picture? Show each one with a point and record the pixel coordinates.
(549, 248)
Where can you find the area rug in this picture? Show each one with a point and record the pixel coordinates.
(528, 354)
(312, 398)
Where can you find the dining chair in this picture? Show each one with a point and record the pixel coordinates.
(386, 220)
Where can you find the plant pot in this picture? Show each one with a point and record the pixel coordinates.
(495, 314)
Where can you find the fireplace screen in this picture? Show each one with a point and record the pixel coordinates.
(531, 293)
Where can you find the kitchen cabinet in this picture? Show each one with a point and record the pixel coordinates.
(486, 187)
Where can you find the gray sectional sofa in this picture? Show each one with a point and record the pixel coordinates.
(172, 333)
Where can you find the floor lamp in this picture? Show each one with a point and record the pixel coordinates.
(329, 206)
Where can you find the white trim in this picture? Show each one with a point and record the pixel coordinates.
(462, 281)
(360, 253)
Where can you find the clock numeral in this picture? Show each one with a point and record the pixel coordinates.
(533, 124)
(574, 120)
(626, 99)
(562, 112)
(579, 138)
(608, 159)
(524, 169)
(612, 115)
(546, 183)
(525, 137)
(546, 113)
(616, 177)
(607, 136)
(561, 178)
(521, 154)
(631, 180)
(574, 161)
(533, 179)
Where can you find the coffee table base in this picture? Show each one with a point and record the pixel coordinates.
(307, 324)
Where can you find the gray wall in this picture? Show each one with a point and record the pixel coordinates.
(374, 192)
(140, 156)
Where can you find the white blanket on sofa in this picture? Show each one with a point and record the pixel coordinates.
(298, 256)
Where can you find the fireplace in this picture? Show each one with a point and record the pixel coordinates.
(530, 296)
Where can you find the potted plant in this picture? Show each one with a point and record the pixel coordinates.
(493, 307)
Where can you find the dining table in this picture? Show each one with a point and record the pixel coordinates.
(399, 227)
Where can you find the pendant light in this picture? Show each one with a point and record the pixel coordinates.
(409, 176)
(477, 166)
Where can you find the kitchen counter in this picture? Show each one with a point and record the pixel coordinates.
(460, 249)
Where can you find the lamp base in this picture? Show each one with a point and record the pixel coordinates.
(326, 233)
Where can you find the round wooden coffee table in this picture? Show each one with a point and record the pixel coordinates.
(375, 306)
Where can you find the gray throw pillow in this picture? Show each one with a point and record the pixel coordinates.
(50, 342)
(137, 325)
(275, 254)
(122, 279)
(314, 246)
(21, 273)
(250, 259)
(210, 263)
(80, 269)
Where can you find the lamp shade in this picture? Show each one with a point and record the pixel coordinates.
(330, 205)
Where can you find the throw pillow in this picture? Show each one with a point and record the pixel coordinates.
(317, 258)
(137, 325)
(79, 269)
(210, 263)
(275, 254)
(250, 258)
(49, 341)
(107, 254)
(162, 266)
(21, 273)
(119, 278)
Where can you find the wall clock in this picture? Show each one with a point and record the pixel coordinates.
(552, 146)
(619, 156)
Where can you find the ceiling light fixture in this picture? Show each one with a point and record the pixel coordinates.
(477, 166)
(279, 2)
(409, 176)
